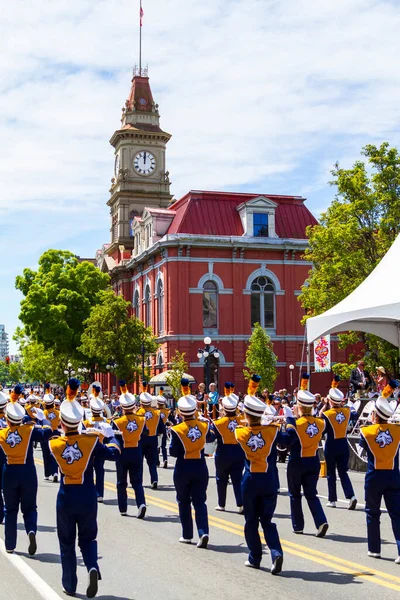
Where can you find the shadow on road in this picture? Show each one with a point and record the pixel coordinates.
(324, 577)
(241, 548)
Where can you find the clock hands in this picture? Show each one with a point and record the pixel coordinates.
(145, 157)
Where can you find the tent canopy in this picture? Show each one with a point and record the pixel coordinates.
(161, 378)
(373, 307)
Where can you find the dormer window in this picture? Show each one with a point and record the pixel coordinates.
(260, 225)
(258, 217)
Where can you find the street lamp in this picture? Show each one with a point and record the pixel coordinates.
(205, 353)
(291, 367)
(142, 352)
(111, 366)
(69, 370)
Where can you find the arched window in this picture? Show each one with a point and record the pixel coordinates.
(136, 304)
(210, 305)
(263, 302)
(147, 306)
(160, 306)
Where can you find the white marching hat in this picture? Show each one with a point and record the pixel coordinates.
(305, 398)
(254, 406)
(96, 404)
(187, 405)
(22, 401)
(127, 400)
(336, 395)
(3, 400)
(15, 413)
(234, 397)
(32, 398)
(383, 408)
(160, 399)
(71, 413)
(48, 398)
(229, 403)
(146, 398)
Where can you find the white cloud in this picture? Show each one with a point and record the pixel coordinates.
(264, 94)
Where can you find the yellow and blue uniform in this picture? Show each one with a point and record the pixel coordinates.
(149, 442)
(337, 451)
(259, 488)
(229, 458)
(95, 422)
(303, 437)
(130, 428)
(3, 425)
(19, 477)
(164, 419)
(77, 499)
(50, 466)
(381, 442)
(190, 474)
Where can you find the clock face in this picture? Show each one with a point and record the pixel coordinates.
(116, 165)
(144, 163)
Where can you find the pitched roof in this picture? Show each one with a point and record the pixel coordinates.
(214, 213)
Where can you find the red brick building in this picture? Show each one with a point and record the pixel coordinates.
(210, 264)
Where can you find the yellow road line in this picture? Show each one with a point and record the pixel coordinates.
(316, 556)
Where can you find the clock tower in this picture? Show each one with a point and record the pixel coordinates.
(140, 175)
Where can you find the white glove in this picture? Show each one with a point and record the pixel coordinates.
(107, 430)
(39, 414)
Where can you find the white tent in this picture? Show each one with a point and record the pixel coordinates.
(373, 307)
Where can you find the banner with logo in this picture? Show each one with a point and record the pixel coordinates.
(322, 354)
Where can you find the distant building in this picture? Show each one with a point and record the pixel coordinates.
(4, 348)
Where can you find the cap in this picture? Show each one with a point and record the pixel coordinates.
(127, 400)
(187, 405)
(71, 413)
(3, 400)
(22, 401)
(254, 406)
(96, 405)
(48, 398)
(306, 398)
(382, 370)
(336, 395)
(229, 403)
(383, 408)
(15, 413)
(160, 399)
(146, 398)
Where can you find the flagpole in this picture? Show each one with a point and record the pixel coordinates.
(140, 40)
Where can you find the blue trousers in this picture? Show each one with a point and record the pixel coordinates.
(259, 502)
(76, 512)
(304, 473)
(1, 490)
(164, 446)
(20, 488)
(149, 447)
(130, 461)
(226, 468)
(338, 458)
(191, 481)
(99, 470)
(50, 463)
(378, 485)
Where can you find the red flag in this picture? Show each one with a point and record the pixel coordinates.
(141, 16)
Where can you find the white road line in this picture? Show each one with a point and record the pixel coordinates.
(42, 588)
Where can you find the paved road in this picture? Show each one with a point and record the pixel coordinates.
(142, 560)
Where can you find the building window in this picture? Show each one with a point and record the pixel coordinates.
(136, 305)
(147, 306)
(263, 302)
(210, 305)
(260, 224)
(160, 306)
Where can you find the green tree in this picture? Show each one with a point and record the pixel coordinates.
(353, 235)
(40, 365)
(177, 367)
(110, 334)
(4, 372)
(16, 372)
(58, 299)
(260, 357)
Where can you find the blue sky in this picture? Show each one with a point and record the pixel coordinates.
(262, 95)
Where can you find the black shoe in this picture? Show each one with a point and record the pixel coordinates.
(32, 543)
(154, 485)
(277, 565)
(93, 583)
(68, 593)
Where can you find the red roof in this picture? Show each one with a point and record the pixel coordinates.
(215, 213)
(140, 96)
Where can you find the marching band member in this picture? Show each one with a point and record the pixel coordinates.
(381, 442)
(52, 415)
(229, 456)
(337, 418)
(76, 499)
(3, 425)
(130, 427)
(303, 435)
(19, 472)
(259, 483)
(164, 417)
(190, 473)
(155, 427)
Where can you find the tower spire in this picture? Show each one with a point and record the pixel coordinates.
(141, 13)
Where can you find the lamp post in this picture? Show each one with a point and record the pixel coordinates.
(111, 367)
(69, 371)
(205, 353)
(83, 371)
(142, 352)
(291, 368)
